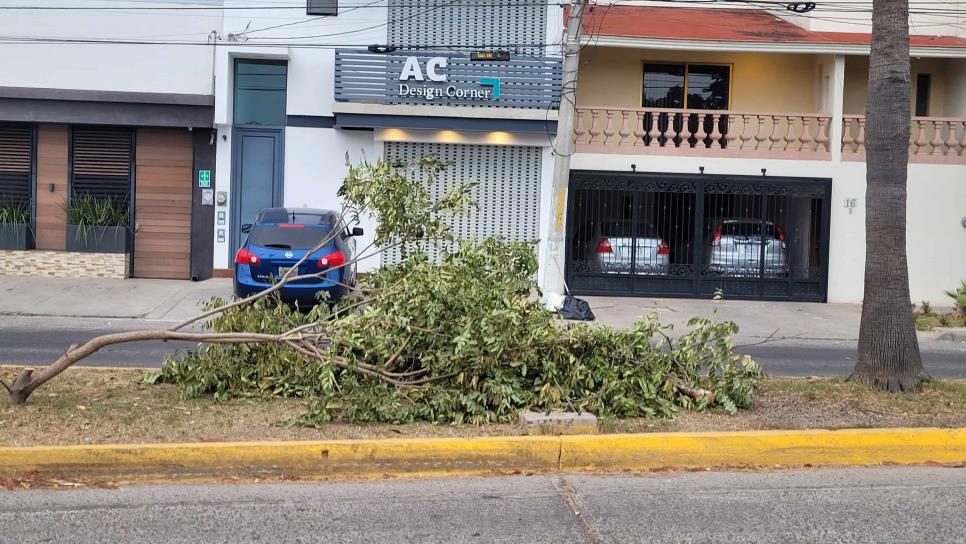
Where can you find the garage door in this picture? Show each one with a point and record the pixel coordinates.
(162, 195)
(508, 194)
(650, 234)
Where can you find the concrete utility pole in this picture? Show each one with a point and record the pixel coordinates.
(553, 278)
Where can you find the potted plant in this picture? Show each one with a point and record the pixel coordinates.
(96, 224)
(14, 223)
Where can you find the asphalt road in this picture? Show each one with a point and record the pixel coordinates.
(837, 358)
(907, 505)
(40, 340)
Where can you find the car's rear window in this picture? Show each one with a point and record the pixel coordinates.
(750, 228)
(282, 215)
(627, 229)
(300, 237)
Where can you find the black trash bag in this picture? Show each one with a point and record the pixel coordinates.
(576, 309)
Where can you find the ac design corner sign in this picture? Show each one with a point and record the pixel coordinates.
(432, 82)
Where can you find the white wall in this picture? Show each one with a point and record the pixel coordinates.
(222, 184)
(937, 239)
(116, 67)
(853, 16)
(308, 43)
(937, 203)
(315, 166)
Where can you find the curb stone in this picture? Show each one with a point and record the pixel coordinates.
(415, 458)
(949, 334)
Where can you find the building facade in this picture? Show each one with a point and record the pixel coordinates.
(718, 150)
(423, 93)
(725, 158)
(266, 105)
(85, 121)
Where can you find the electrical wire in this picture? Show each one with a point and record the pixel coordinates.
(308, 20)
(380, 25)
(590, 38)
(14, 40)
(301, 6)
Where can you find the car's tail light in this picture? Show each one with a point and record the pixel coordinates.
(663, 248)
(332, 259)
(246, 257)
(604, 246)
(781, 236)
(716, 241)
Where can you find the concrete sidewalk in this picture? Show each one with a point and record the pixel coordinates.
(170, 300)
(166, 300)
(757, 319)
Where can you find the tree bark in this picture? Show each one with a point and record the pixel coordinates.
(888, 355)
(27, 381)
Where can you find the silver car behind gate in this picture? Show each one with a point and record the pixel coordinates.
(737, 246)
(618, 244)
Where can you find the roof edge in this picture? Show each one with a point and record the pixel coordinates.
(760, 47)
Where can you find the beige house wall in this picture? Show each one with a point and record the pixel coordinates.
(857, 77)
(955, 103)
(614, 77)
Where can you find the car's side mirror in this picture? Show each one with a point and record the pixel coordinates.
(246, 228)
(357, 231)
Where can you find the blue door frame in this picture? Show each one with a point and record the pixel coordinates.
(257, 174)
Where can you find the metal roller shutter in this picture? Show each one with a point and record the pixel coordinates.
(508, 194)
(16, 162)
(511, 25)
(101, 161)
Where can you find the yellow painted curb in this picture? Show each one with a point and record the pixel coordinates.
(490, 455)
(337, 458)
(852, 447)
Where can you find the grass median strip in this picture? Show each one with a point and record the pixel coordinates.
(112, 406)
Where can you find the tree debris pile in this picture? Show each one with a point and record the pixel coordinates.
(462, 341)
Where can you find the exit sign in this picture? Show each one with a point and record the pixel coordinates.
(204, 179)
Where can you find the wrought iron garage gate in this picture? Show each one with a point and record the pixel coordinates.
(690, 236)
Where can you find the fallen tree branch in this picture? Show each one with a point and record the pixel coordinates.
(394, 358)
(697, 394)
(27, 381)
(412, 220)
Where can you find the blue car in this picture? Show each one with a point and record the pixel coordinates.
(279, 238)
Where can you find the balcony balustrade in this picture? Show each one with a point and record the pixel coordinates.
(742, 134)
(937, 140)
(704, 133)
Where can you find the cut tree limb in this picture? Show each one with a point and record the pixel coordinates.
(696, 393)
(27, 381)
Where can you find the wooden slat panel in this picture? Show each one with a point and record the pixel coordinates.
(52, 152)
(164, 176)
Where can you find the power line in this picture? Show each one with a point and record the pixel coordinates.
(380, 25)
(310, 19)
(23, 40)
(254, 7)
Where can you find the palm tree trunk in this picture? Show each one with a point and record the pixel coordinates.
(888, 355)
